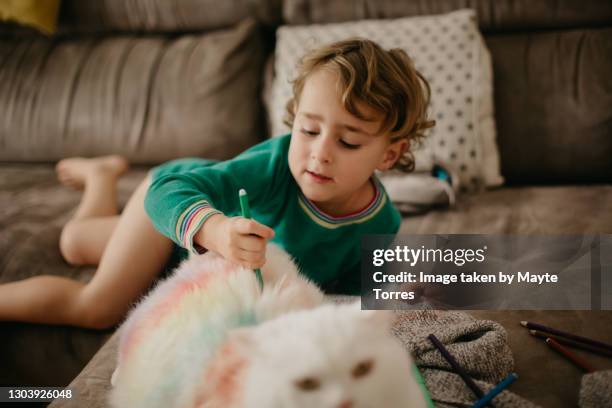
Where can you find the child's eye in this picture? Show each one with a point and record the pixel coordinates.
(349, 145)
(309, 132)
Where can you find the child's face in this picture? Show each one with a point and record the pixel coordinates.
(333, 153)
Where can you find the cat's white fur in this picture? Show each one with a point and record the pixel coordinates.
(327, 344)
(294, 341)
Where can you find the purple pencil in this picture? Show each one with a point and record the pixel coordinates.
(586, 340)
(458, 369)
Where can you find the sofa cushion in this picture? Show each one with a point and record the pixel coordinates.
(34, 206)
(553, 104)
(163, 15)
(150, 99)
(33, 209)
(449, 51)
(493, 15)
(522, 210)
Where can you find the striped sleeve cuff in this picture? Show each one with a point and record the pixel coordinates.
(191, 220)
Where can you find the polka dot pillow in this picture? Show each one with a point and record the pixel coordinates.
(450, 53)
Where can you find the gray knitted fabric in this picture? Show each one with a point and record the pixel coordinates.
(479, 346)
(596, 390)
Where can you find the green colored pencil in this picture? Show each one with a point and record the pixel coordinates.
(424, 390)
(246, 213)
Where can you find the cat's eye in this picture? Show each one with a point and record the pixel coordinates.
(308, 384)
(362, 369)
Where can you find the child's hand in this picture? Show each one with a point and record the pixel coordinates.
(237, 239)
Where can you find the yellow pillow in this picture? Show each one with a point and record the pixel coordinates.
(40, 14)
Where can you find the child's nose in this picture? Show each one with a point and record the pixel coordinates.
(321, 158)
(346, 404)
(321, 151)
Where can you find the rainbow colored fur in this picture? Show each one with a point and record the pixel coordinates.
(171, 336)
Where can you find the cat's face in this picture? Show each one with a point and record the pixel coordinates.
(329, 357)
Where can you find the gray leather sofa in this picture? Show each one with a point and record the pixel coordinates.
(153, 79)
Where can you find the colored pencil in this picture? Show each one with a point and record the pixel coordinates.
(246, 213)
(503, 384)
(569, 355)
(575, 337)
(458, 369)
(571, 343)
(421, 381)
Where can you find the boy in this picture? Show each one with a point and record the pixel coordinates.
(356, 109)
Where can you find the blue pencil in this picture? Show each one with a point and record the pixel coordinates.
(496, 390)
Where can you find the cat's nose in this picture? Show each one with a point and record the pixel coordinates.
(346, 404)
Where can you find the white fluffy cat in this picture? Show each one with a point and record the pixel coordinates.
(207, 337)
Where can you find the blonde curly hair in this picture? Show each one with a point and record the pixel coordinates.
(386, 81)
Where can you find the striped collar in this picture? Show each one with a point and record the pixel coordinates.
(331, 222)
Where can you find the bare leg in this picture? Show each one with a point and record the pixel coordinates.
(97, 210)
(134, 256)
(79, 246)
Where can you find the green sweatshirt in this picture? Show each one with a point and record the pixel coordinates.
(184, 193)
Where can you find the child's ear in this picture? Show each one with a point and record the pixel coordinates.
(394, 151)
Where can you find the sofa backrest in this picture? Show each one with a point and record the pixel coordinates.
(149, 97)
(163, 15)
(552, 61)
(493, 15)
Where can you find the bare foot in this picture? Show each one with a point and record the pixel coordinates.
(75, 171)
